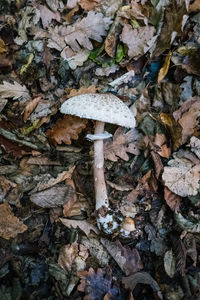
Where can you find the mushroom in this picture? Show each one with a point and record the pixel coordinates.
(102, 108)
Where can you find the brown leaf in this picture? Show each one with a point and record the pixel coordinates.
(73, 255)
(83, 225)
(66, 129)
(181, 253)
(53, 197)
(121, 144)
(83, 90)
(138, 40)
(12, 147)
(160, 140)
(10, 226)
(172, 200)
(194, 6)
(131, 281)
(172, 21)
(31, 106)
(88, 4)
(53, 181)
(128, 259)
(158, 163)
(163, 71)
(189, 120)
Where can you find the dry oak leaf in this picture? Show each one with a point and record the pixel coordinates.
(88, 4)
(93, 26)
(66, 129)
(182, 177)
(83, 225)
(161, 140)
(13, 90)
(10, 225)
(139, 40)
(121, 144)
(47, 16)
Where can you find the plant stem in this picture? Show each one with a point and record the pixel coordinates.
(99, 180)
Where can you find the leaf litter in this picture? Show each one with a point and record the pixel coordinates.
(147, 54)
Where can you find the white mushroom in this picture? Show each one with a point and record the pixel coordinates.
(102, 108)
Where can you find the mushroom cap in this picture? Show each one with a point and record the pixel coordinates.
(101, 107)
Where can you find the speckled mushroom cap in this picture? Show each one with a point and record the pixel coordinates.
(101, 107)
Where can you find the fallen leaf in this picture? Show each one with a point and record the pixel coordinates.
(157, 163)
(138, 40)
(163, 71)
(191, 247)
(97, 285)
(171, 22)
(169, 263)
(12, 147)
(66, 129)
(186, 224)
(83, 225)
(189, 120)
(83, 90)
(97, 250)
(131, 281)
(182, 177)
(88, 4)
(47, 16)
(76, 59)
(172, 200)
(195, 146)
(52, 197)
(128, 259)
(93, 26)
(195, 6)
(73, 255)
(10, 226)
(3, 47)
(31, 105)
(121, 144)
(161, 141)
(13, 90)
(51, 181)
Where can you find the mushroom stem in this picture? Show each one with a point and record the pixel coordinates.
(99, 179)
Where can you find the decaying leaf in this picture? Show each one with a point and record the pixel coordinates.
(83, 90)
(53, 197)
(121, 144)
(96, 250)
(131, 281)
(13, 90)
(31, 106)
(169, 263)
(97, 285)
(172, 200)
(163, 71)
(10, 226)
(51, 181)
(47, 16)
(190, 112)
(66, 129)
(182, 176)
(73, 255)
(186, 224)
(195, 145)
(83, 225)
(172, 22)
(128, 259)
(93, 26)
(139, 41)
